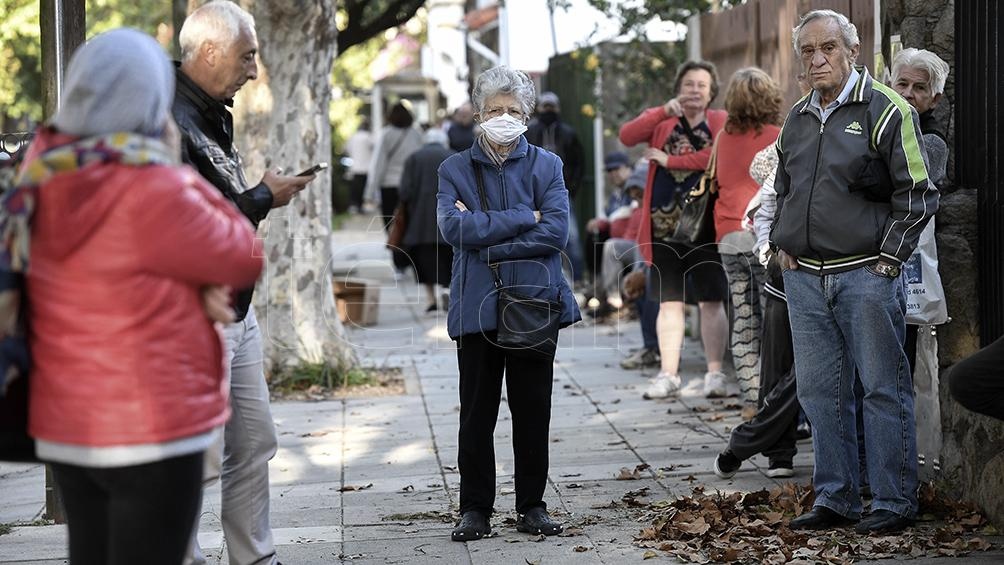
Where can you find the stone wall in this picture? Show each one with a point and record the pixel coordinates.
(972, 458)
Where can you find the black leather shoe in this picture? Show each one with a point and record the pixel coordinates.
(537, 521)
(819, 518)
(883, 522)
(473, 525)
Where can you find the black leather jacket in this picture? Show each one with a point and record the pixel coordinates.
(207, 144)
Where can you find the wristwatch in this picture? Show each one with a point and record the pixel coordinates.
(886, 270)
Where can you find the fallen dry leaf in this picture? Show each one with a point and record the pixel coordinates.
(580, 548)
(349, 488)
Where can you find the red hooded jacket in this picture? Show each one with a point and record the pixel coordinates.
(122, 351)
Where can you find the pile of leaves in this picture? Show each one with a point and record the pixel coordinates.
(753, 528)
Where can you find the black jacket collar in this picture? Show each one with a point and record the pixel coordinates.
(204, 102)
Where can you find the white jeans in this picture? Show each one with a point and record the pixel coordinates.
(240, 459)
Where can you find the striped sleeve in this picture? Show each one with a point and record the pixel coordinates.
(896, 136)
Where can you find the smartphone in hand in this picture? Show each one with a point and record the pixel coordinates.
(313, 170)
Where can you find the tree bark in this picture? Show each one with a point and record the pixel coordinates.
(282, 121)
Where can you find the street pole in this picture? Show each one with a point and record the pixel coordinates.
(62, 25)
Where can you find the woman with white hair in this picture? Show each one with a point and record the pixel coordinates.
(919, 76)
(503, 206)
(126, 246)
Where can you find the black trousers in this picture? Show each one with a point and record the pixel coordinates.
(772, 430)
(528, 390)
(357, 186)
(128, 515)
(977, 382)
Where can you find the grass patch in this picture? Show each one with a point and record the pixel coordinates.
(317, 376)
(6, 529)
(338, 220)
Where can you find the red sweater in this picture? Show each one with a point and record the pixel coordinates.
(653, 127)
(736, 186)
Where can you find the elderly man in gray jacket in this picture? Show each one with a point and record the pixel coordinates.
(841, 242)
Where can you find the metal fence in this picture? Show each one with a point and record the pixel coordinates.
(979, 132)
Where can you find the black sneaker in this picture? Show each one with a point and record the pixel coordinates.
(726, 465)
(473, 525)
(780, 470)
(537, 521)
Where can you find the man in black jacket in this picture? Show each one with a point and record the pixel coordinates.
(841, 244)
(219, 44)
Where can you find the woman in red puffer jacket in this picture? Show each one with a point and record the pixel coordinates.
(130, 254)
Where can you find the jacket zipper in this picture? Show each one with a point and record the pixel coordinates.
(812, 186)
(505, 205)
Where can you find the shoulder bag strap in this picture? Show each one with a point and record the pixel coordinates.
(393, 149)
(479, 178)
(694, 140)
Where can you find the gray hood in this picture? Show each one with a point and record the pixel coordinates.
(121, 80)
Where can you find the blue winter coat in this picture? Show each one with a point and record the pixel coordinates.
(526, 251)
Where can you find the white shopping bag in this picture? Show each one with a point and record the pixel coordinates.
(925, 297)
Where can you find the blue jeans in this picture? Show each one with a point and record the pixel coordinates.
(839, 322)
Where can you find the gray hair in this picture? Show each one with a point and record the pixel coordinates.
(847, 29)
(436, 135)
(219, 22)
(922, 59)
(503, 80)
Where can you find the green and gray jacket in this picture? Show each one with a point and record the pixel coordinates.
(827, 215)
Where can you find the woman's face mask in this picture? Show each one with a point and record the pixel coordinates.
(503, 129)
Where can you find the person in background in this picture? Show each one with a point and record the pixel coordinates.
(131, 254)
(919, 76)
(429, 253)
(773, 430)
(753, 102)
(218, 47)
(841, 247)
(549, 132)
(396, 142)
(621, 255)
(523, 230)
(618, 169)
(679, 134)
(620, 250)
(461, 128)
(359, 148)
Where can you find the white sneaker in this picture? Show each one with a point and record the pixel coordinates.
(714, 385)
(663, 385)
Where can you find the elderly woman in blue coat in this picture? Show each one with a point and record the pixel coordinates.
(522, 231)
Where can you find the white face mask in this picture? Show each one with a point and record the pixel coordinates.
(503, 129)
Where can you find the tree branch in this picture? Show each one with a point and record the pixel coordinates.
(357, 31)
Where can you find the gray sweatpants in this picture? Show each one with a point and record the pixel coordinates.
(620, 256)
(240, 460)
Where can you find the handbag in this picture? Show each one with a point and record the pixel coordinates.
(398, 227)
(399, 222)
(527, 326)
(697, 224)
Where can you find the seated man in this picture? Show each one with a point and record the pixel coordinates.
(621, 251)
(618, 169)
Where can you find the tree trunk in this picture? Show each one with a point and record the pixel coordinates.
(282, 121)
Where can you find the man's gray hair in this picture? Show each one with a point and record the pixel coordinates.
(922, 59)
(503, 80)
(219, 22)
(847, 29)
